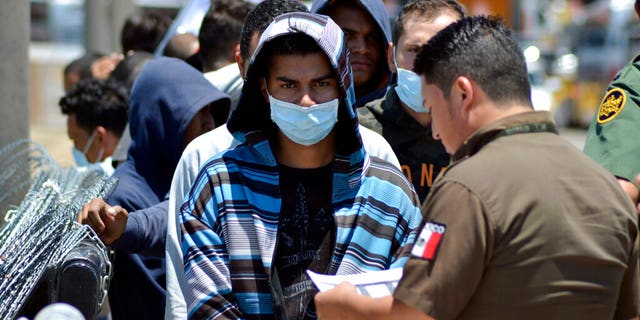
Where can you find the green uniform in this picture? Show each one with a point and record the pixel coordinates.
(613, 139)
(421, 157)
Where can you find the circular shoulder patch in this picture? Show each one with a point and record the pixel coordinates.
(611, 105)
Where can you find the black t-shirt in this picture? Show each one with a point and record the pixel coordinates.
(305, 235)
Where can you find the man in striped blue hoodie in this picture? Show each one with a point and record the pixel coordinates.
(298, 193)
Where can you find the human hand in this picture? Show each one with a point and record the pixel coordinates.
(631, 190)
(638, 183)
(107, 221)
(334, 304)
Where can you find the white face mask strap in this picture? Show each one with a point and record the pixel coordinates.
(100, 154)
(395, 57)
(266, 87)
(89, 142)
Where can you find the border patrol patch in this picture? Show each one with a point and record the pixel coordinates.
(429, 240)
(611, 105)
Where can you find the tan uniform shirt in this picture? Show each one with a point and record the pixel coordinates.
(524, 226)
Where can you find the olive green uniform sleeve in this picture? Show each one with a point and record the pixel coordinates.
(442, 287)
(613, 138)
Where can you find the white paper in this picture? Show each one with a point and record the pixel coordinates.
(373, 284)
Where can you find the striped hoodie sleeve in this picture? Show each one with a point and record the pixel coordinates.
(208, 291)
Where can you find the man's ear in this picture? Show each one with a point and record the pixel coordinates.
(240, 63)
(463, 93)
(235, 51)
(390, 58)
(101, 133)
(263, 88)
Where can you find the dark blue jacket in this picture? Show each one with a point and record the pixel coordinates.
(165, 97)
(376, 9)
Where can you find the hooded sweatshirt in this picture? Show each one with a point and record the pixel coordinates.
(165, 97)
(231, 215)
(377, 11)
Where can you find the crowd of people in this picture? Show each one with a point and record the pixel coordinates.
(284, 139)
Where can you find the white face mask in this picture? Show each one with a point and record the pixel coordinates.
(409, 88)
(304, 125)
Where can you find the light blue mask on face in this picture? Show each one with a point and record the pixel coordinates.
(409, 88)
(304, 125)
(80, 157)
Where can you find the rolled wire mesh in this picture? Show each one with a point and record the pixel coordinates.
(41, 230)
(20, 161)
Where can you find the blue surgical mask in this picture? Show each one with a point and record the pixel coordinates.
(409, 89)
(304, 125)
(80, 157)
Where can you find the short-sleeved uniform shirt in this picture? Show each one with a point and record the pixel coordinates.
(421, 157)
(522, 225)
(612, 139)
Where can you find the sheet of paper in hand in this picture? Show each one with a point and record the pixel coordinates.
(374, 284)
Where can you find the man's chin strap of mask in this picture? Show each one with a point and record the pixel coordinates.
(80, 157)
(409, 88)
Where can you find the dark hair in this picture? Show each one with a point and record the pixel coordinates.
(261, 16)
(289, 44)
(238, 9)
(427, 10)
(482, 49)
(128, 69)
(144, 31)
(219, 33)
(82, 65)
(330, 7)
(97, 103)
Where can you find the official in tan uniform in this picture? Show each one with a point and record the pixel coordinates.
(522, 225)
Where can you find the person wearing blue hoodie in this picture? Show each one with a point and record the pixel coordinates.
(171, 104)
(367, 30)
(298, 192)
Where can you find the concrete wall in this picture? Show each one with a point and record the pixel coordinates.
(14, 71)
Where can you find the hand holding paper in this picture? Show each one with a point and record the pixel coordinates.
(373, 284)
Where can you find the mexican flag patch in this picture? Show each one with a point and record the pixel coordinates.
(429, 240)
